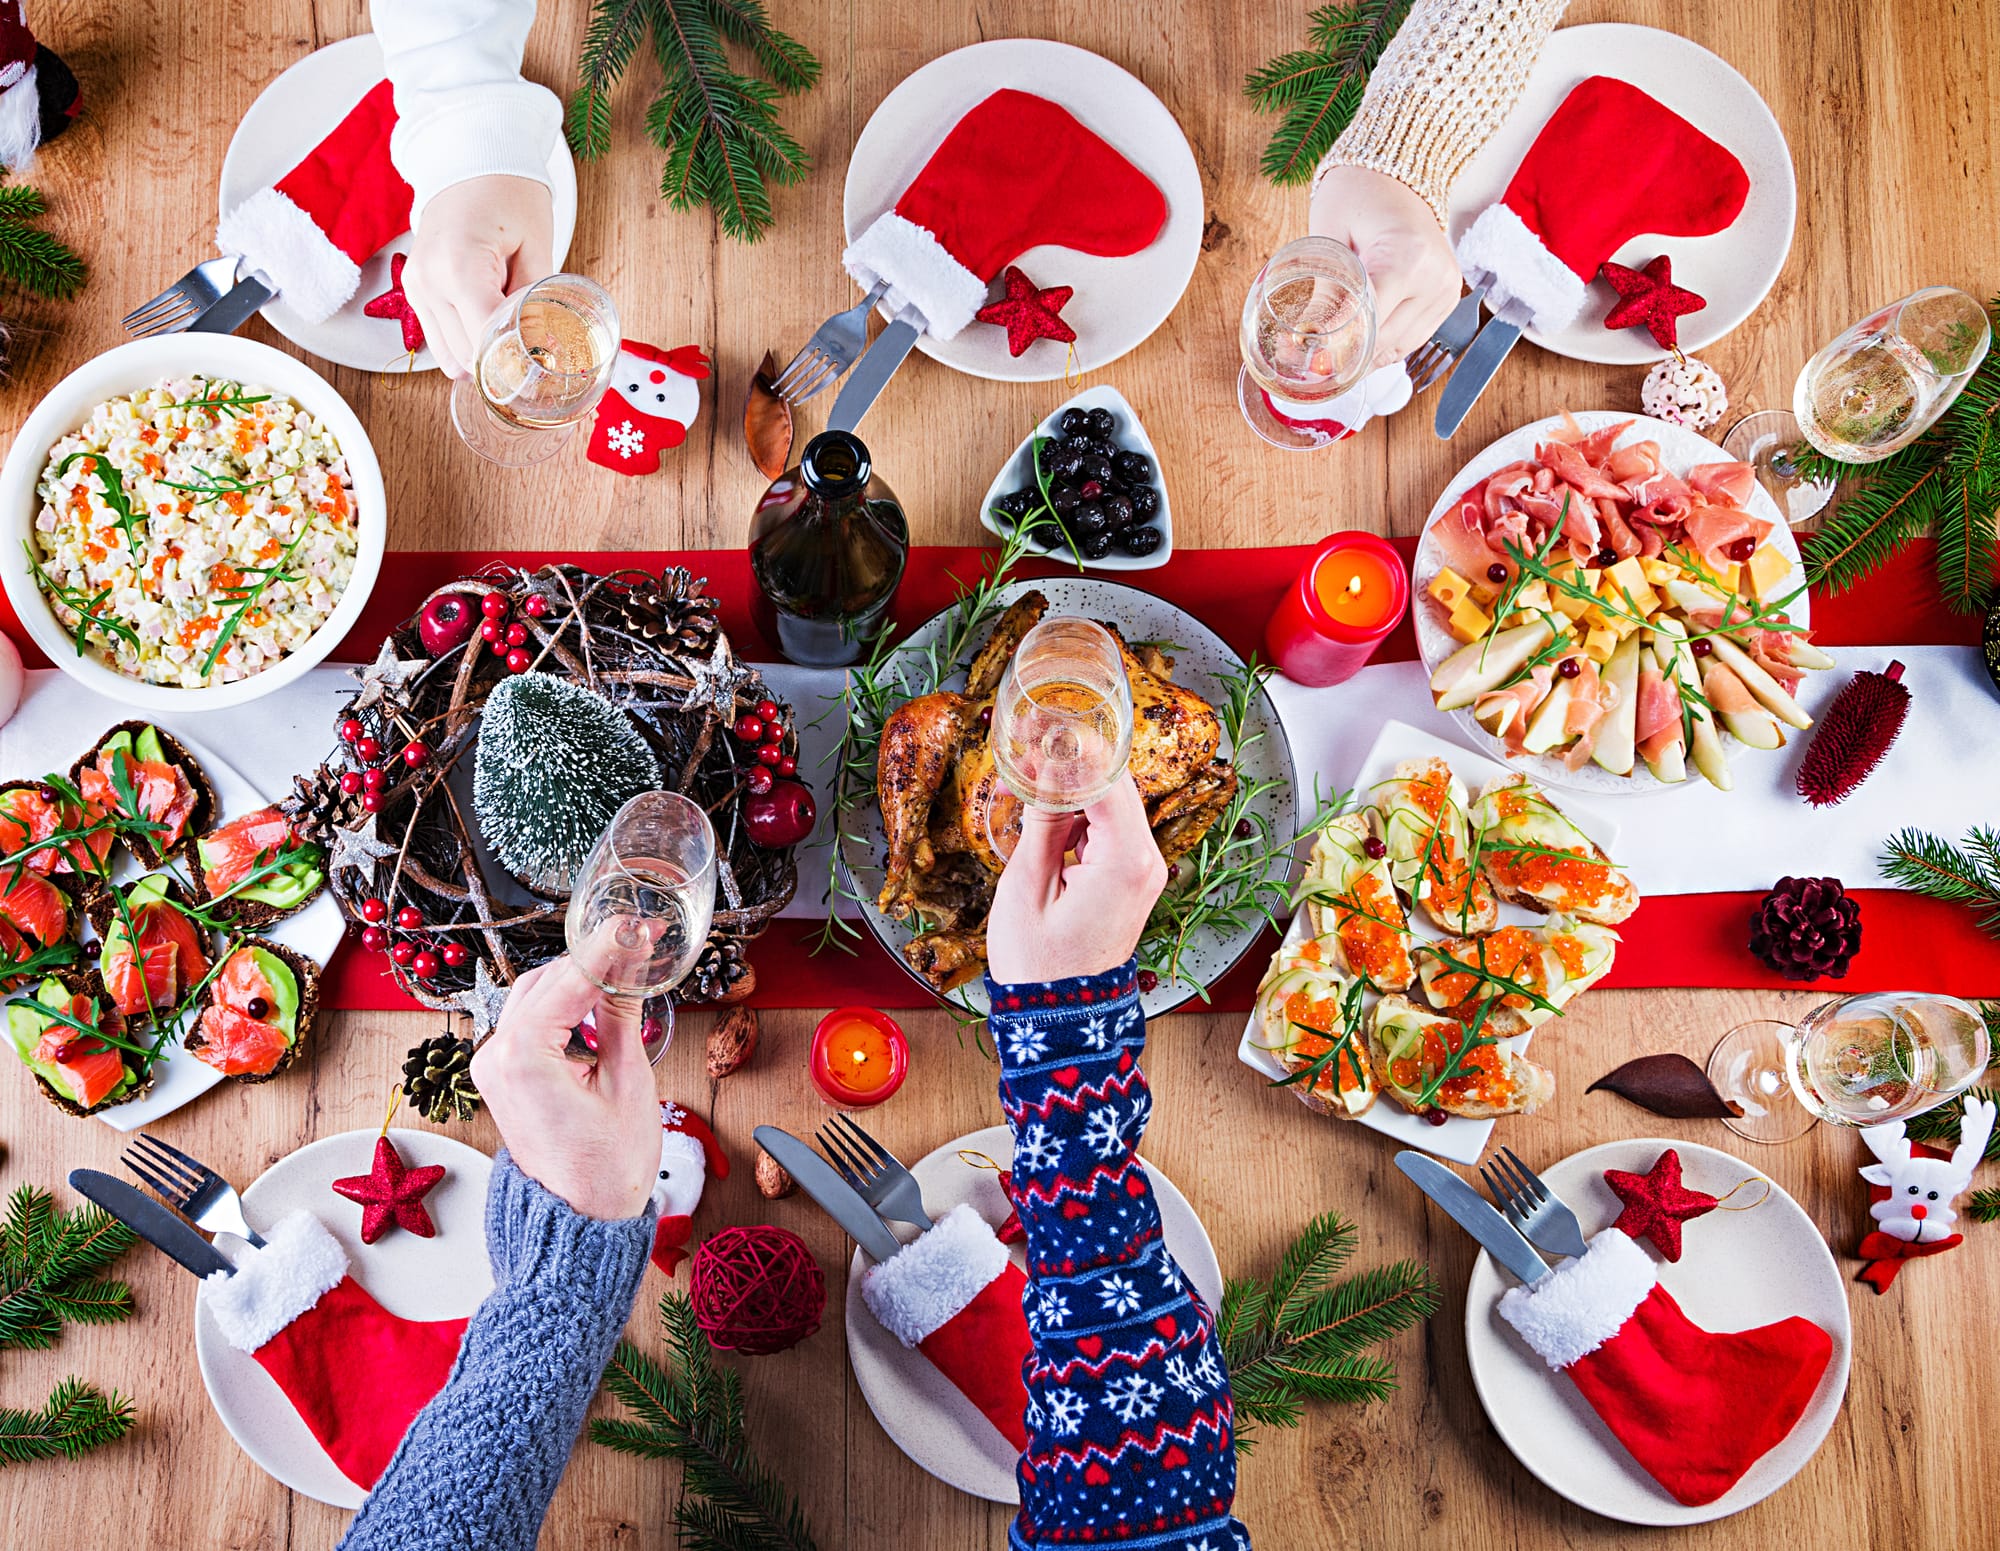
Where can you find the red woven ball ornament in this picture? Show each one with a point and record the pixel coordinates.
(756, 1290)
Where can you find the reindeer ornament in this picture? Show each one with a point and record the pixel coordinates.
(1912, 1189)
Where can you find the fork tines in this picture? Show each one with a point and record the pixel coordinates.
(167, 1170)
(810, 370)
(1428, 363)
(851, 1150)
(163, 314)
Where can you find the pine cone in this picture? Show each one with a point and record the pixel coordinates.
(641, 613)
(317, 806)
(1807, 927)
(437, 1079)
(722, 973)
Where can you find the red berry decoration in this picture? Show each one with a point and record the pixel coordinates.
(1649, 296)
(756, 1289)
(1854, 735)
(495, 605)
(409, 918)
(518, 660)
(351, 730)
(367, 750)
(374, 910)
(374, 939)
(783, 816)
(402, 952)
(416, 755)
(392, 1194)
(350, 781)
(769, 754)
(1657, 1203)
(424, 965)
(788, 766)
(767, 710)
(446, 623)
(749, 728)
(371, 802)
(1148, 982)
(453, 953)
(760, 778)
(373, 778)
(536, 606)
(517, 634)
(1029, 313)
(492, 632)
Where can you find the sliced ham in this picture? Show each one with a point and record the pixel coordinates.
(1515, 704)
(1724, 482)
(1712, 529)
(1659, 707)
(1618, 535)
(1461, 539)
(1596, 447)
(1725, 692)
(1573, 469)
(1589, 703)
(1629, 465)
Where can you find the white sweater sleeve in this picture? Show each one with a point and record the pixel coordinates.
(463, 110)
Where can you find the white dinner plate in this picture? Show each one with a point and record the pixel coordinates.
(291, 116)
(1681, 450)
(1738, 1270)
(1735, 268)
(923, 1413)
(445, 1277)
(1118, 301)
(1458, 1138)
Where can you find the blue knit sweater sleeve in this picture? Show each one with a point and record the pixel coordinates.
(479, 1464)
(1130, 1437)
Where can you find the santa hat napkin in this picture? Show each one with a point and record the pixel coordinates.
(356, 1374)
(690, 1156)
(1696, 1408)
(954, 1295)
(312, 230)
(1016, 172)
(1610, 164)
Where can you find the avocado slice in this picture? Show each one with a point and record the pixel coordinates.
(29, 1019)
(292, 885)
(147, 746)
(284, 991)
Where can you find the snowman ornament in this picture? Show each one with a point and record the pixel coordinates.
(689, 1156)
(653, 399)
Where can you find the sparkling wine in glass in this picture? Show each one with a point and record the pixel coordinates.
(544, 361)
(1885, 381)
(1307, 336)
(639, 911)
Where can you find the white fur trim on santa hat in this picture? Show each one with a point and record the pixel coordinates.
(921, 273)
(313, 276)
(917, 1292)
(299, 1263)
(20, 123)
(1583, 1304)
(678, 1144)
(1500, 249)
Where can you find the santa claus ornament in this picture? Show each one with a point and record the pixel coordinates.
(39, 97)
(1911, 1188)
(689, 1157)
(653, 399)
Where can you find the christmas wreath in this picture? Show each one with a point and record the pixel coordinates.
(614, 684)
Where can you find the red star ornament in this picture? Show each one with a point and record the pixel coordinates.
(1649, 296)
(392, 1193)
(392, 303)
(1029, 314)
(1657, 1203)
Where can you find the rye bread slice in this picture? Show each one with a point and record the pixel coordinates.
(200, 821)
(250, 914)
(85, 982)
(304, 971)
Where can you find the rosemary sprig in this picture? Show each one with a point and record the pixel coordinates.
(114, 493)
(85, 608)
(245, 598)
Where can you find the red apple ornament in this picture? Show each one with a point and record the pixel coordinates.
(447, 622)
(783, 816)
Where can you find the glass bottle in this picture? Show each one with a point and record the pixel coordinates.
(828, 543)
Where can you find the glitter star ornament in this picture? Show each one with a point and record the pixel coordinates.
(1649, 296)
(392, 1194)
(393, 303)
(1028, 313)
(483, 1002)
(1657, 1203)
(384, 677)
(359, 848)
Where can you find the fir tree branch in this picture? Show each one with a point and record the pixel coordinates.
(77, 1418)
(1940, 1125)
(49, 1265)
(31, 258)
(1983, 1205)
(1968, 875)
(1319, 89)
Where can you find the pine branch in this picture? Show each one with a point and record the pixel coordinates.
(31, 258)
(1939, 1126)
(1316, 1256)
(1983, 1205)
(1970, 876)
(77, 1418)
(1319, 89)
(49, 1265)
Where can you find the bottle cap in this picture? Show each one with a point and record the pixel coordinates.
(835, 465)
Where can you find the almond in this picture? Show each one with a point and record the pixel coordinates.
(732, 1041)
(772, 1179)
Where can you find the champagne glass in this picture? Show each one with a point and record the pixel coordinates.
(1769, 441)
(1308, 334)
(639, 910)
(1884, 382)
(1855, 1061)
(544, 361)
(1062, 724)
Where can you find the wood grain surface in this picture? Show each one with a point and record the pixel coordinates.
(1892, 127)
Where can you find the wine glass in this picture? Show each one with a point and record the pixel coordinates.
(639, 910)
(1062, 724)
(1308, 334)
(1884, 382)
(1769, 441)
(1855, 1061)
(544, 361)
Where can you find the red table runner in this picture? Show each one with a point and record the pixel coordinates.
(1674, 940)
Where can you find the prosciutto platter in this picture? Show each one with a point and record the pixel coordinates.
(1614, 603)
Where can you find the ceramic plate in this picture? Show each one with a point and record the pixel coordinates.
(1459, 1139)
(1738, 1270)
(1736, 267)
(1018, 473)
(445, 1277)
(1201, 659)
(291, 116)
(1681, 450)
(923, 1414)
(1118, 301)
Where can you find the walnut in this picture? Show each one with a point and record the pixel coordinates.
(773, 1181)
(732, 1041)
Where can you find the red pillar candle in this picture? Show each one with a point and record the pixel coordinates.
(1350, 595)
(859, 1057)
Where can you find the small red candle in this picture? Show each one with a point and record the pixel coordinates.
(859, 1057)
(1348, 598)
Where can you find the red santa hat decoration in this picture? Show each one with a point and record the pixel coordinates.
(689, 1157)
(39, 97)
(653, 399)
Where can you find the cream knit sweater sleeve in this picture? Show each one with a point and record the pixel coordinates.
(1447, 80)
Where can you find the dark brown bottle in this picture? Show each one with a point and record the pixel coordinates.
(828, 544)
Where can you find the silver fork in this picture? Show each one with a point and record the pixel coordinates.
(1432, 359)
(874, 1172)
(191, 1188)
(180, 303)
(1543, 1217)
(836, 345)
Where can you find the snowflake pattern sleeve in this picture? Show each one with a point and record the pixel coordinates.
(1130, 1437)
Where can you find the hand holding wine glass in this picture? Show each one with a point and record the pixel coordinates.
(543, 362)
(1307, 336)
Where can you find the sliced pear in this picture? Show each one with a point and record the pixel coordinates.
(1767, 689)
(1548, 727)
(1704, 744)
(1617, 734)
(1804, 654)
(1484, 664)
(1747, 721)
(1670, 763)
(1689, 598)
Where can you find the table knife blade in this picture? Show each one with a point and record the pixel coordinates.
(1475, 369)
(229, 311)
(153, 1222)
(1476, 1215)
(876, 367)
(838, 1199)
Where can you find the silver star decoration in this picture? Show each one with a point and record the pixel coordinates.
(717, 681)
(385, 676)
(359, 848)
(483, 1002)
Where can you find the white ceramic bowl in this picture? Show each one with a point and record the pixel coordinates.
(128, 369)
(1018, 472)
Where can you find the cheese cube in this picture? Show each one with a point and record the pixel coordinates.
(1485, 594)
(1449, 588)
(1621, 626)
(1659, 570)
(1767, 572)
(1533, 596)
(1568, 608)
(1598, 645)
(1468, 621)
(1626, 580)
(1593, 617)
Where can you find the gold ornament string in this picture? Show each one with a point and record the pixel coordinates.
(1722, 1205)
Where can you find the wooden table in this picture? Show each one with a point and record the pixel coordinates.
(1894, 138)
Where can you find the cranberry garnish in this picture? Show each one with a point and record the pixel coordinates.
(1742, 549)
(1374, 849)
(1702, 647)
(1570, 667)
(1496, 572)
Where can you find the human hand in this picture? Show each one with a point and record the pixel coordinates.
(1049, 921)
(478, 242)
(1406, 253)
(590, 1134)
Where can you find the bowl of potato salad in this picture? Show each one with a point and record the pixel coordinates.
(194, 520)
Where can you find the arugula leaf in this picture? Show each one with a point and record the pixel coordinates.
(114, 494)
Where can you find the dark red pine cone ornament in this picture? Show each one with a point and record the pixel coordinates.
(1807, 928)
(1854, 735)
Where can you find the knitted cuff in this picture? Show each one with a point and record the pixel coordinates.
(536, 1239)
(1065, 1015)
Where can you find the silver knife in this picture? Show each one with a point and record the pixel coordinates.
(1476, 1215)
(1475, 368)
(840, 1200)
(875, 369)
(228, 311)
(151, 1221)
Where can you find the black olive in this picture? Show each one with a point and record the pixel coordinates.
(1145, 502)
(1135, 468)
(1091, 517)
(1141, 541)
(1074, 422)
(1065, 499)
(1102, 423)
(1094, 546)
